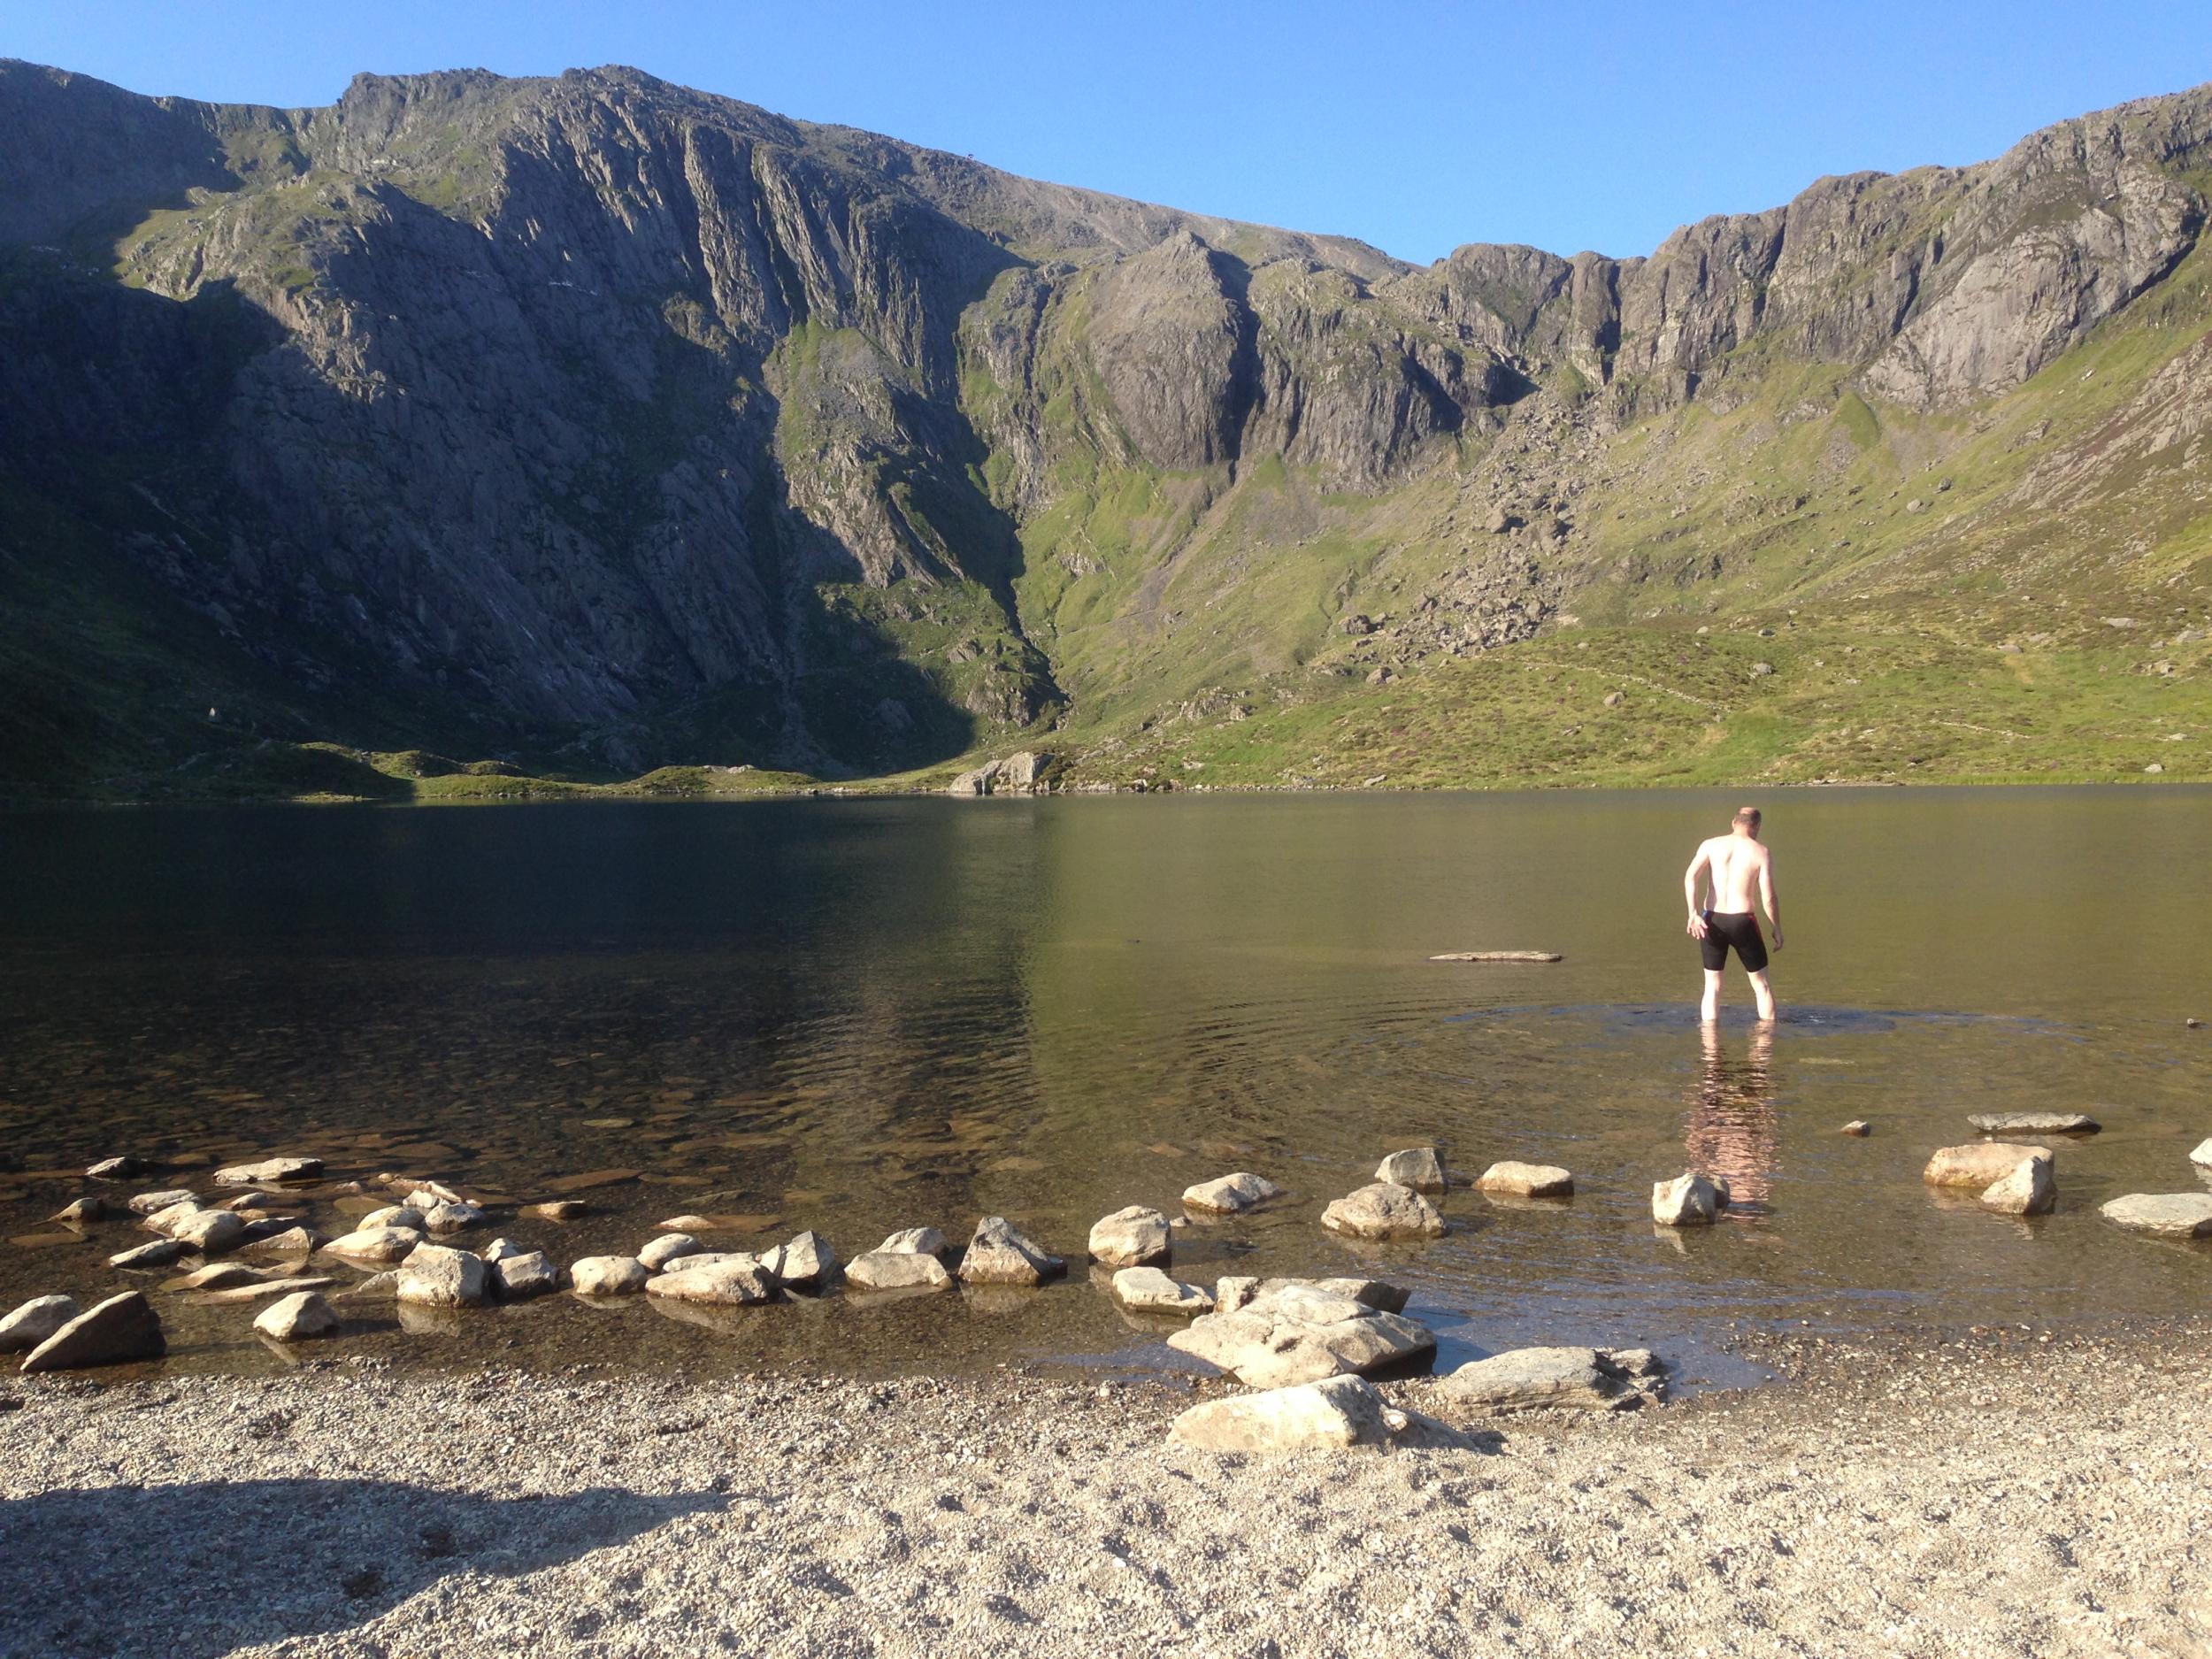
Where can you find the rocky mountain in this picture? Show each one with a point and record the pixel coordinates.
(590, 425)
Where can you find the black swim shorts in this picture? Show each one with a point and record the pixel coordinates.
(1740, 928)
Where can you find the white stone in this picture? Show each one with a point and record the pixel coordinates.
(1978, 1163)
(295, 1317)
(1529, 1378)
(437, 1276)
(1231, 1194)
(34, 1321)
(1417, 1167)
(1330, 1415)
(738, 1280)
(2028, 1191)
(1384, 1209)
(806, 1262)
(1293, 1332)
(2035, 1122)
(897, 1270)
(1134, 1237)
(663, 1249)
(1148, 1290)
(607, 1276)
(269, 1171)
(2176, 1214)
(393, 1216)
(1000, 1253)
(449, 1218)
(917, 1241)
(110, 1332)
(168, 1198)
(528, 1274)
(1527, 1180)
(1688, 1200)
(376, 1244)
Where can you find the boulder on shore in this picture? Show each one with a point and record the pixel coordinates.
(34, 1321)
(897, 1270)
(1384, 1209)
(1330, 1415)
(1527, 1180)
(295, 1318)
(120, 1329)
(1690, 1199)
(2028, 1191)
(1978, 1163)
(607, 1276)
(1133, 1237)
(1000, 1254)
(2174, 1215)
(435, 1276)
(1148, 1290)
(1417, 1167)
(1296, 1331)
(1231, 1194)
(1529, 1379)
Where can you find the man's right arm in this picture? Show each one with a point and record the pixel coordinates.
(1767, 898)
(1690, 878)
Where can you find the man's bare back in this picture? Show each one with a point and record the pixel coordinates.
(1733, 868)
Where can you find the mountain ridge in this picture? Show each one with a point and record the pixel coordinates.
(590, 423)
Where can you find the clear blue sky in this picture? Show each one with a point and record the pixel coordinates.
(1415, 125)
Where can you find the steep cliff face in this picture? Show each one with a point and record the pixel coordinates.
(597, 417)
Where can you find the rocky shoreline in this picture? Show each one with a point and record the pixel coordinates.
(2003, 1492)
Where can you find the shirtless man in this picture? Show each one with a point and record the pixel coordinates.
(1737, 862)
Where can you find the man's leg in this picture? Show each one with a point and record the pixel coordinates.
(1709, 1010)
(1764, 994)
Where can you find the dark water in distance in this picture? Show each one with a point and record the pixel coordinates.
(858, 1016)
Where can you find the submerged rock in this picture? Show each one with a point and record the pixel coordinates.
(1691, 1200)
(1148, 1290)
(270, 1171)
(34, 1321)
(1000, 1253)
(1134, 1237)
(558, 1210)
(2176, 1215)
(897, 1270)
(2028, 1191)
(1978, 1163)
(607, 1276)
(1331, 1415)
(1857, 1126)
(1231, 1194)
(1527, 1180)
(2035, 1122)
(377, 1244)
(435, 1276)
(1417, 1167)
(160, 1253)
(295, 1318)
(119, 1330)
(1384, 1209)
(1527, 1379)
(1294, 1332)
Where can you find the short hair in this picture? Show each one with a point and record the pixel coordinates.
(1748, 816)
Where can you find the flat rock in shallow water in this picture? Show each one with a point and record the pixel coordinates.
(1527, 1180)
(1000, 1253)
(1371, 1293)
(2035, 1122)
(207, 1230)
(291, 1241)
(215, 1276)
(1417, 1167)
(1296, 1333)
(607, 1276)
(377, 1244)
(34, 1321)
(262, 1290)
(167, 1198)
(2176, 1215)
(436, 1276)
(558, 1210)
(1384, 1209)
(271, 1170)
(80, 1209)
(447, 1218)
(2028, 1191)
(295, 1318)
(1148, 1290)
(1134, 1237)
(1978, 1163)
(1529, 1379)
(897, 1270)
(1231, 1194)
(116, 1169)
(120, 1329)
(737, 1280)
(1329, 1416)
(1689, 1200)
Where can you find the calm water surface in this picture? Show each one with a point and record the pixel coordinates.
(859, 1016)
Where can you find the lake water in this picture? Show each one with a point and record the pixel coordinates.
(858, 1016)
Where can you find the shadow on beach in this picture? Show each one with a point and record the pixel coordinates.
(199, 1569)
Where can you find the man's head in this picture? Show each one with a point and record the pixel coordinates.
(1746, 822)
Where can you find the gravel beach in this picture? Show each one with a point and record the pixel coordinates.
(2002, 1492)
